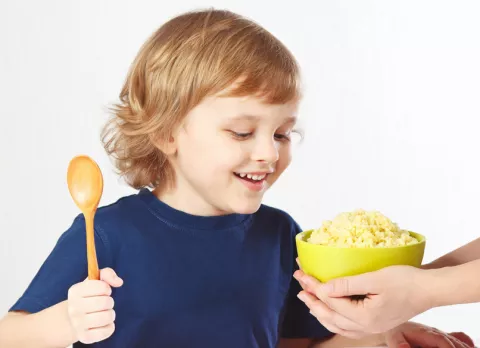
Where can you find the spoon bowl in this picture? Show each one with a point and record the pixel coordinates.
(85, 183)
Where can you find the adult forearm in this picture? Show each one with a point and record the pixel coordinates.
(454, 285)
(464, 254)
(49, 328)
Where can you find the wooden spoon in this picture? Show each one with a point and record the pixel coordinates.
(85, 183)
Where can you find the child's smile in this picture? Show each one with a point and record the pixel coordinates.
(256, 181)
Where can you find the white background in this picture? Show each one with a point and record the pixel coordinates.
(392, 110)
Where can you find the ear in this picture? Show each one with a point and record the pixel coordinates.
(168, 146)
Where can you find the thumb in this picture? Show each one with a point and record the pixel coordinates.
(109, 276)
(397, 340)
(348, 286)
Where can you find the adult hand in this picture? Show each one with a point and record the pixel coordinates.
(393, 295)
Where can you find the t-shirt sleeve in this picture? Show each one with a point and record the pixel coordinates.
(65, 266)
(297, 320)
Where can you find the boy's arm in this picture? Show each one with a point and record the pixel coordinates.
(338, 341)
(409, 334)
(295, 343)
(464, 254)
(39, 318)
(49, 328)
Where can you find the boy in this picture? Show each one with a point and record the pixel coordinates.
(205, 119)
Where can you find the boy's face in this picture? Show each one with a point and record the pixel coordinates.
(228, 152)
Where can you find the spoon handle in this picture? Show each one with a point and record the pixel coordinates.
(93, 271)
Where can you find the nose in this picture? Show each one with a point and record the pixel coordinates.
(266, 151)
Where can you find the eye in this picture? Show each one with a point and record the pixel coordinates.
(282, 137)
(241, 136)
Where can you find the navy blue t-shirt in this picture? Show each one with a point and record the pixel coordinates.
(189, 281)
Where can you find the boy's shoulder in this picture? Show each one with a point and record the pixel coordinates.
(114, 210)
(274, 211)
(109, 217)
(117, 208)
(279, 216)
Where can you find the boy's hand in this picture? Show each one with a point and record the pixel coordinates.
(90, 307)
(417, 335)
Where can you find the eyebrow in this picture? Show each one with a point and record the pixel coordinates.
(247, 117)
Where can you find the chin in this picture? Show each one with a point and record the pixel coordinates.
(247, 207)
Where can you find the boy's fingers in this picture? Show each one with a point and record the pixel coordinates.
(98, 334)
(109, 276)
(463, 338)
(90, 288)
(97, 304)
(100, 319)
(421, 338)
(397, 340)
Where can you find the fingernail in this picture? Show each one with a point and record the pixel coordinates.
(302, 297)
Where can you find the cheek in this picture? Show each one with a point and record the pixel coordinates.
(210, 155)
(193, 153)
(231, 156)
(284, 158)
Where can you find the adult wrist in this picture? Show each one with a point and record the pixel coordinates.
(426, 282)
(435, 287)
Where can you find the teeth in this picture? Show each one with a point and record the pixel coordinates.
(252, 177)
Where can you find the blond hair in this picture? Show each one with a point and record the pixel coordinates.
(190, 57)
